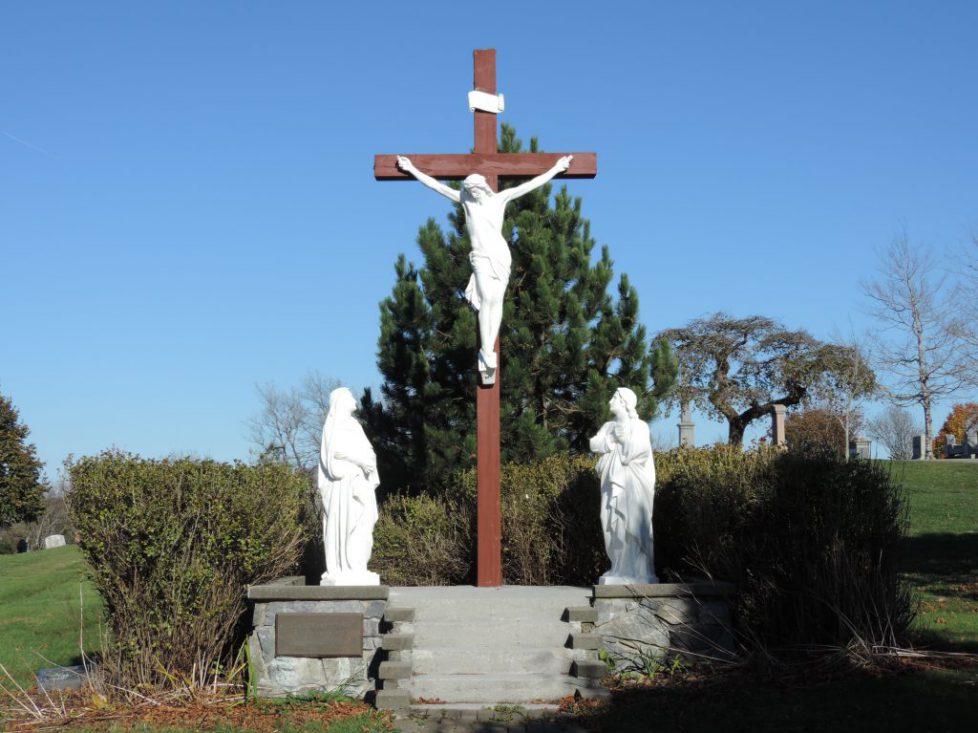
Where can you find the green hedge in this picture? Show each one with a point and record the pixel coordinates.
(172, 545)
(550, 535)
(812, 543)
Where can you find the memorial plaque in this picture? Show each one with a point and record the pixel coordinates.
(319, 635)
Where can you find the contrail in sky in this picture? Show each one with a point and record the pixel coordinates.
(27, 144)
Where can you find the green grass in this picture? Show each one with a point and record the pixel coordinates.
(943, 495)
(41, 597)
(941, 560)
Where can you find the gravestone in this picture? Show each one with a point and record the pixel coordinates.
(777, 425)
(687, 434)
(918, 448)
(860, 448)
(54, 540)
(968, 450)
(61, 678)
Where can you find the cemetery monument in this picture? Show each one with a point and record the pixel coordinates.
(486, 644)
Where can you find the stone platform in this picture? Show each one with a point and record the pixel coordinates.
(408, 648)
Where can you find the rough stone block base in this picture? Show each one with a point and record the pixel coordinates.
(641, 623)
(277, 675)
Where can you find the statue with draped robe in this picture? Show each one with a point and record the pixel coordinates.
(627, 473)
(347, 484)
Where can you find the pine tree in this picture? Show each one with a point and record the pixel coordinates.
(566, 344)
(21, 492)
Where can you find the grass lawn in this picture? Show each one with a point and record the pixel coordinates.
(41, 597)
(942, 551)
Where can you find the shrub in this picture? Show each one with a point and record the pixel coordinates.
(172, 545)
(816, 432)
(550, 529)
(811, 542)
(421, 540)
(551, 532)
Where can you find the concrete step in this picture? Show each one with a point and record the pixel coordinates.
(497, 635)
(494, 688)
(506, 603)
(526, 660)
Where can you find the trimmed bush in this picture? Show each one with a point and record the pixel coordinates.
(811, 542)
(421, 540)
(172, 545)
(551, 533)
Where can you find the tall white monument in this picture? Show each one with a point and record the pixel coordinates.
(627, 473)
(347, 483)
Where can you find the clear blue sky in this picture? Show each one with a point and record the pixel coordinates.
(187, 205)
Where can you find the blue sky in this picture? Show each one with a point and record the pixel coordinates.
(187, 205)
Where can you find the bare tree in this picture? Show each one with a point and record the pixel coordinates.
(290, 422)
(966, 295)
(916, 347)
(855, 383)
(894, 428)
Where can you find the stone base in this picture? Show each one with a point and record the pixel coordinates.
(354, 579)
(640, 623)
(608, 579)
(276, 675)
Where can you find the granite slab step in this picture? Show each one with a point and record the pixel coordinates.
(524, 660)
(496, 688)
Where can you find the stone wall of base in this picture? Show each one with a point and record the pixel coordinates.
(277, 675)
(639, 623)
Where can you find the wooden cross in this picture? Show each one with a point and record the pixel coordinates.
(493, 165)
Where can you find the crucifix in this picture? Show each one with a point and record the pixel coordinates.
(484, 207)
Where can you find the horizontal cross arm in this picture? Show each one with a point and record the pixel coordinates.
(504, 165)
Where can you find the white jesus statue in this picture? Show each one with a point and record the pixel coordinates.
(491, 260)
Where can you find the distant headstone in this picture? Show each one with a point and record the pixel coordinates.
(22, 545)
(61, 678)
(860, 448)
(968, 450)
(777, 425)
(918, 447)
(54, 540)
(687, 434)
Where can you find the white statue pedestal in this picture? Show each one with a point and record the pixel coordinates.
(608, 579)
(350, 578)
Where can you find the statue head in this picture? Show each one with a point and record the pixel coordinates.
(341, 402)
(475, 184)
(625, 401)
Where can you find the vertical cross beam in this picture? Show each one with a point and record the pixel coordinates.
(489, 569)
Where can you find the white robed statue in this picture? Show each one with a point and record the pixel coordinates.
(627, 473)
(347, 482)
(490, 257)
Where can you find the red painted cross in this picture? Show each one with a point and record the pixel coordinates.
(493, 165)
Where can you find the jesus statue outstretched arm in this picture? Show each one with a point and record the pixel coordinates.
(534, 183)
(407, 166)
